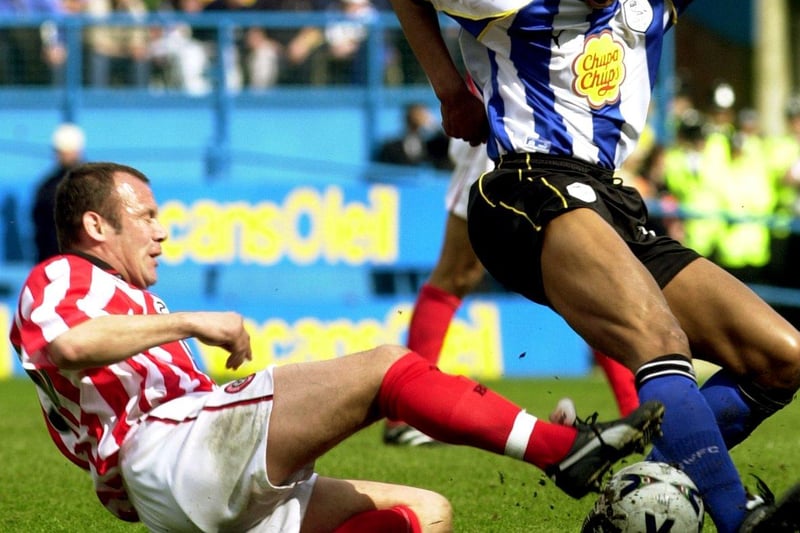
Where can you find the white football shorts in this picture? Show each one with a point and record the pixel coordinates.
(198, 463)
(470, 162)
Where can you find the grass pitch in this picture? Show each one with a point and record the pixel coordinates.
(40, 491)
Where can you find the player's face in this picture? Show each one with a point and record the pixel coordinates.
(138, 244)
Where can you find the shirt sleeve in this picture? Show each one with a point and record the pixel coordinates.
(54, 299)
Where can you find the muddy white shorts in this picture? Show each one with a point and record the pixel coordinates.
(198, 463)
(470, 162)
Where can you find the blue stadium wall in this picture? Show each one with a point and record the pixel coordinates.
(291, 236)
(274, 210)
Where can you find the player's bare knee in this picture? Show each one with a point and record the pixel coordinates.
(648, 342)
(668, 333)
(773, 367)
(677, 338)
(785, 366)
(435, 513)
(385, 355)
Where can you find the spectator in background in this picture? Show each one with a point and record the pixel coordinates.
(68, 144)
(721, 113)
(30, 54)
(748, 199)
(689, 176)
(783, 153)
(311, 54)
(231, 57)
(681, 102)
(299, 49)
(344, 39)
(181, 60)
(720, 176)
(749, 129)
(421, 143)
(118, 53)
(262, 59)
(54, 38)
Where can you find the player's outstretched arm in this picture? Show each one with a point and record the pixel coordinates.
(227, 331)
(112, 338)
(463, 114)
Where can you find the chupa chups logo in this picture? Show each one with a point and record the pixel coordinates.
(599, 70)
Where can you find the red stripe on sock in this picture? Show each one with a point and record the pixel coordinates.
(549, 443)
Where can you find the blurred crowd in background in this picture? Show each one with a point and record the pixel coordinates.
(180, 55)
(725, 188)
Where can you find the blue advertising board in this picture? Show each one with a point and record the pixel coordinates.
(296, 260)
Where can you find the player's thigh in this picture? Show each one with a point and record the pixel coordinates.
(728, 324)
(604, 292)
(318, 404)
(335, 500)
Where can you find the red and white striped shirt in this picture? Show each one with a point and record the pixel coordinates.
(89, 412)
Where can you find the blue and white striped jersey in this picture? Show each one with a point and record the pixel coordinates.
(561, 78)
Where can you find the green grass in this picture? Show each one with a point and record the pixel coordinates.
(40, 491)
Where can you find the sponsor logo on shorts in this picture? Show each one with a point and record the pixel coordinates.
(582, 192)
(647, 233)
(239, 385)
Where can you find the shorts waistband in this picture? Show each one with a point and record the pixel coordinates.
(530, 161)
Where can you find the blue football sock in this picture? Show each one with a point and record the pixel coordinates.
(740, 407)
(735, 418)
(693, 442)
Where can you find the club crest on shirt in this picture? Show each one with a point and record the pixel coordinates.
(638, 14)
(239, 385)
(599, 70)
(160, 306)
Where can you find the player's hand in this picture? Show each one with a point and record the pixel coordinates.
(464, 117)
(226, 330)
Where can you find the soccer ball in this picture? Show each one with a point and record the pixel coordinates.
(647, 497)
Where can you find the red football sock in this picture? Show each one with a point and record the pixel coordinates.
(621, 381)
(457, 410)
(398, 519)
(430, 320)
(433, 312)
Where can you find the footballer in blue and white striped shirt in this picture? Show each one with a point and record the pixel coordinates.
(565, 90)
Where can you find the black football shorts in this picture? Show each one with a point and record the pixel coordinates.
(510, 206)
